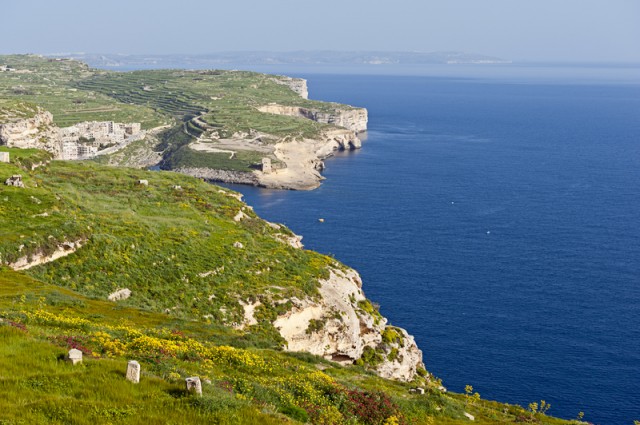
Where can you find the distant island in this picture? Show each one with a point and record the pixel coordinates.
(325, 57)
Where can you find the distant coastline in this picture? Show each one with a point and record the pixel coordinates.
(223, 59)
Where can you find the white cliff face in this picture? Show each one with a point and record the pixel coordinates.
(298, 85)
(37, 132)
(354, 119)
(227, 176)
(337, 139)
(339, 327)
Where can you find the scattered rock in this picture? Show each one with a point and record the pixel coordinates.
(238, 245)
(143, 182)
(240, 216)
(294, 241)
(470, 416)
(194, 385)
(119, 295)
(274, 225)
(15, 181)
(4, 156)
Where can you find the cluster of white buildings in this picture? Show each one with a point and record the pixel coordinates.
(86, 139)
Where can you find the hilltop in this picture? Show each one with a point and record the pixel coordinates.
(220, 125)
(182, 276)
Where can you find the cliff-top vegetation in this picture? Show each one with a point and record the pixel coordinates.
(177, 245)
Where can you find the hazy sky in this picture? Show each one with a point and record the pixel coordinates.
(575, 30)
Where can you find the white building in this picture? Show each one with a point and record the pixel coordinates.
(70, 150)
(97, 134)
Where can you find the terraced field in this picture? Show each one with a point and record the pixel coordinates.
(207, 105)
(49, 84)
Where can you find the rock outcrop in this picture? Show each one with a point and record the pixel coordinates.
(354, 119)
(28, 261)
(120, 294)
(15, 181)
(37, 132)
(342, 326)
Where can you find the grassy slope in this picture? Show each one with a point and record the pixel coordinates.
(49, 84)
(156, 241)
(248, 385)
(167, 239)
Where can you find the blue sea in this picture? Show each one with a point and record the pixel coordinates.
(496, 216)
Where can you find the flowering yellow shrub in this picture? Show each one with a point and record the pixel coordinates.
(153, 343)
(111, 347)
(50, 319)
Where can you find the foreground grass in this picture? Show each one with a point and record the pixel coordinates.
(40, 322)
(38, 387)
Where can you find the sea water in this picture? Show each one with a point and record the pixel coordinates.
(497, 219)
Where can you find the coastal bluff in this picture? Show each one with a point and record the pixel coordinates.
(222, 265)
(215, 124)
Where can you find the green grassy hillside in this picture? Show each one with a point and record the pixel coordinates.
(224, 101)
(40, 322)
(176, 250)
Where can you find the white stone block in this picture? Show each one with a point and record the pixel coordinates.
(74, 356)
(133, 371)
(194, 385)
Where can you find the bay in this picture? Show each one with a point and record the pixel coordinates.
(495, 218)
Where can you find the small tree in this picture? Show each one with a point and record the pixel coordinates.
(533, 407)
(468, 389)
(544, 406)
(476, 398)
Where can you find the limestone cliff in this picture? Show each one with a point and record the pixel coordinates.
(226, 176)
(304, 159)
(37, 132)
(354, 119)
(342, 326)
(297, 85)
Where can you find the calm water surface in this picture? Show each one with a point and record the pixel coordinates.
(498, 220)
